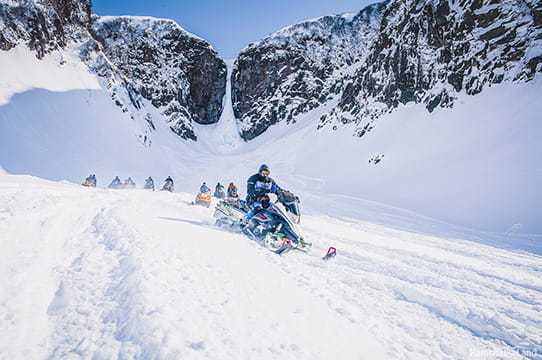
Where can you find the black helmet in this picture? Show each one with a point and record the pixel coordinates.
(264, 170)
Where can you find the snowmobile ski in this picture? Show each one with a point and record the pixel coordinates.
(284, 249)
(331, 253)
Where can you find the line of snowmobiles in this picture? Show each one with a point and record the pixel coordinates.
(273, 227)
(90, 181)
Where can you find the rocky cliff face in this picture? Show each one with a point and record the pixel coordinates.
(138, 59)
(423, 51)
(299, 68)
(178, 73)
(44, 25)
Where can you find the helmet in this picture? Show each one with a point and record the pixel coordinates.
(264, 170)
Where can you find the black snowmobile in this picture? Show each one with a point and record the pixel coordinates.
(219, 192)
(149, 184)
(270, 227)
(115, 184)
(168, 185)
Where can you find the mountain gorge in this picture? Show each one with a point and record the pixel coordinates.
(361, 66)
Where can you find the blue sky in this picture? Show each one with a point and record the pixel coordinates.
(230, 25)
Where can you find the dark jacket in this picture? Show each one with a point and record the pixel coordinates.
(258, 185)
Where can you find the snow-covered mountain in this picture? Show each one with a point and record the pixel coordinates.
(158, 61)
(139, 60)
(391, 53)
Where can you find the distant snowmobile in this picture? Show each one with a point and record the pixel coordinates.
(270, 227)
(129, 184)
(219, 191)
(90, 181)
(115, 184)
(232, 197)
(204, 196)
(168, 185)
(149, 184)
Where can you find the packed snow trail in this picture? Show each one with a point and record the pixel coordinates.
(94, 273)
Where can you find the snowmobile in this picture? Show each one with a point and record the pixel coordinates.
(219, 193)
(149, 184)
(168, 186)
(270, 227)
(115, 184)
(129, 184)
(204, 199)
(90, 181)
(233, 197)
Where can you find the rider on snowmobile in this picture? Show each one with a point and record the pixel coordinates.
(168, 185)
(149, 183)
(204, 188)
(232, 191)
(258, 186)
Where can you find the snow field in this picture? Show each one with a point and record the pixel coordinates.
(97, 273)
(145, 275)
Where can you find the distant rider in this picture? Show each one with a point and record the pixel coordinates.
(149, 183)
(168, 185)
(204, 188)
(232, 191)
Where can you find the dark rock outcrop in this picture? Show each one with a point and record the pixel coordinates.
(298, 68)
(180, 74)
(137, 59)
(43, 26)
(395, 52)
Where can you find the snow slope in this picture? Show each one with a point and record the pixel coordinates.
(60, 71)
(95, 273)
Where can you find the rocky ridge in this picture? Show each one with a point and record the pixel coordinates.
(138, 60)
(158, 61)
(391, 53)
(43, 25)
